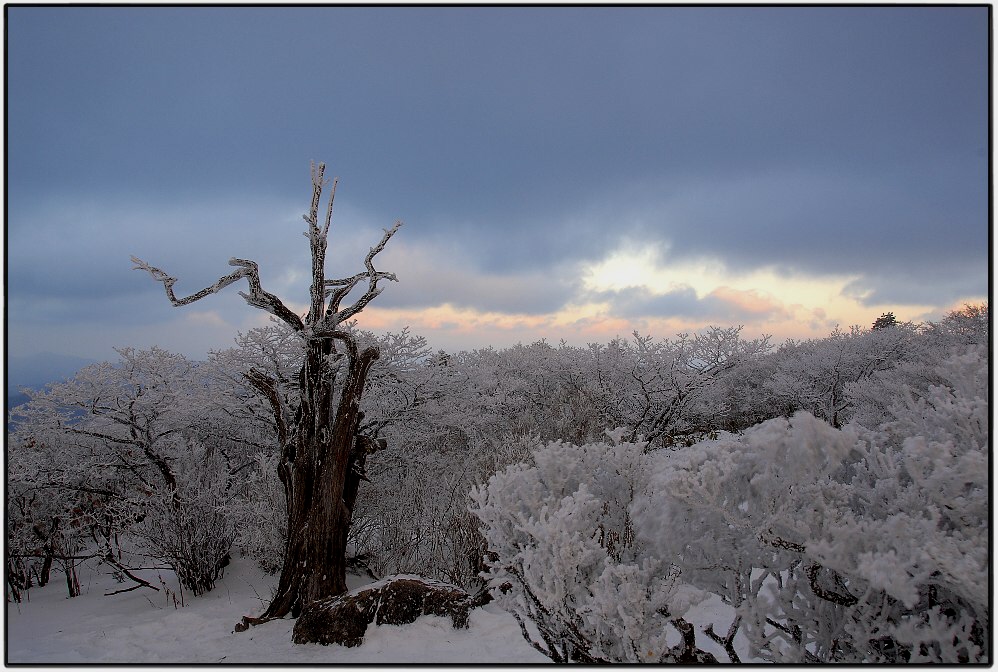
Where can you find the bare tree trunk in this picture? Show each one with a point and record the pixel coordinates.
(43, 575)
(322, 488)
(322, 456)
(72, 580)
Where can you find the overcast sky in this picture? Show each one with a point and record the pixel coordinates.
(573, 173)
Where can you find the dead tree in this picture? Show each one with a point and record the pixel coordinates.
(322, 455)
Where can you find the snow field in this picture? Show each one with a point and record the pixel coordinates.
(143, 627)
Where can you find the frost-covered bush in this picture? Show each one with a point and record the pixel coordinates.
(970, 325)
(260, 514)
(917, 527)
(848, 545)
(191, 526)
(564, 558)
(117, 457)
(731, 512)
(47, 524)
(413, 519)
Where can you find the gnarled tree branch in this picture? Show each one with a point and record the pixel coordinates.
(335, 316)
(257, 297)
(268, 386)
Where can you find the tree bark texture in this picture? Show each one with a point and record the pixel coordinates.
(322, 455)
(321, 487)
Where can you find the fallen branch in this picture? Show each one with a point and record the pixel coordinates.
(247, 621)
(142, 583)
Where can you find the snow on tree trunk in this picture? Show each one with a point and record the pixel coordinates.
(322, 455)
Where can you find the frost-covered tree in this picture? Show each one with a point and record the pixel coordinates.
(813, 375)
(192, 526)
(451, 422)
(322, 451)
(47, 515)
(970, 325)
(260, 513)
(271, 353)
(412, 517)
(663, 390)
(112, 451)
(533, 390)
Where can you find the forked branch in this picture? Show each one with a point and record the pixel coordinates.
(335, 316)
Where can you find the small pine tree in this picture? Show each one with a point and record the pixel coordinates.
(884, 321)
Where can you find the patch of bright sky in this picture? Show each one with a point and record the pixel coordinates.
(787, 307)
(649, 267)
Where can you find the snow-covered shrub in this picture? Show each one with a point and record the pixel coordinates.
(732, 512)
(970, 325)
(565, 561)
(917, 526)
(47, 523)
(844, 545)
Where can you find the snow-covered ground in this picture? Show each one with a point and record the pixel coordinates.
(144, 626)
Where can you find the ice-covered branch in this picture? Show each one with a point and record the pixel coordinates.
(257, 296)
(728, 640)
(268, 386)
(335, 316)
(844, 597)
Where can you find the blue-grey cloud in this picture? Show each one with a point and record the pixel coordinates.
(722, 306)
(921, 284)
(428, 278)
(829, 224)
(517, 142)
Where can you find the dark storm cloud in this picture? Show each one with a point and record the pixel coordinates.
(929, 284)
(71, 260)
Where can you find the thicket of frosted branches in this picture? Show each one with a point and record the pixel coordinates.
(832, 491)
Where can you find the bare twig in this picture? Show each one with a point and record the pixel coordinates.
(142, 583)
(728, 640)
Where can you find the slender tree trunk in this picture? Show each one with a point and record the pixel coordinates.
(72, 580)
(43, 575)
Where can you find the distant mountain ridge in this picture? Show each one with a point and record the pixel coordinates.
(36, 371)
